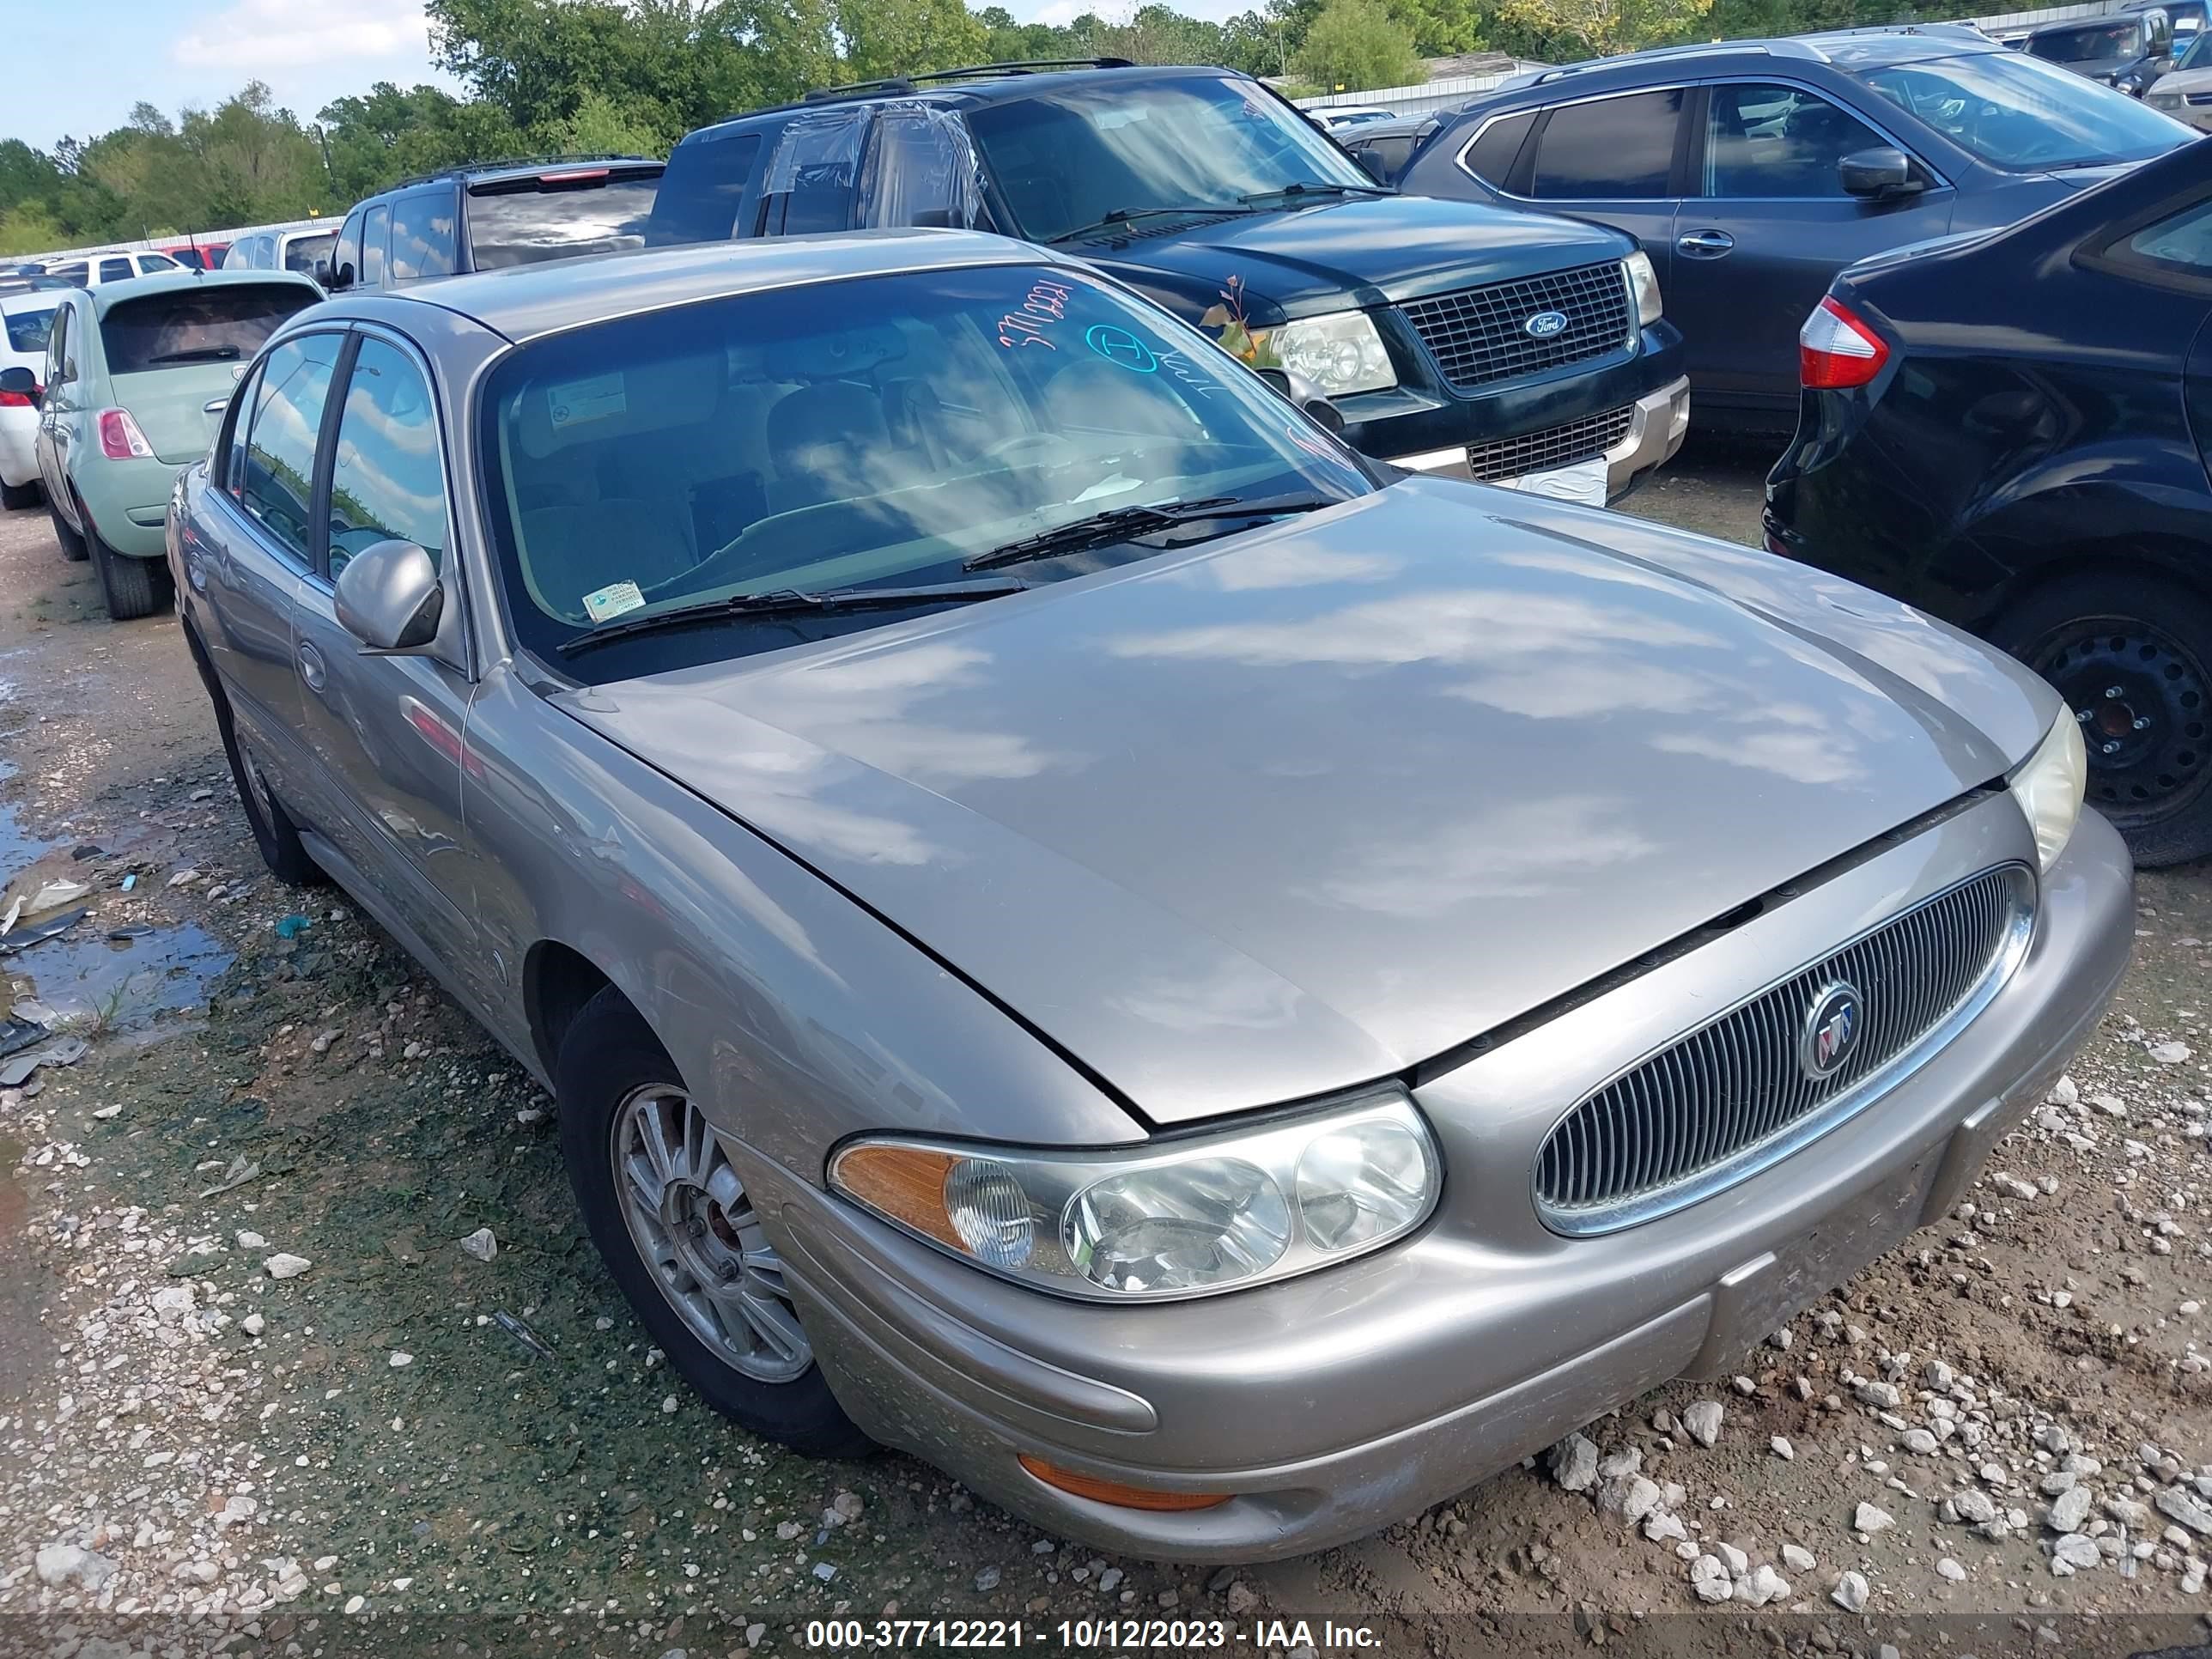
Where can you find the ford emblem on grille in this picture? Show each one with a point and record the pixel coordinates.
(1832, 1030)
(1544, 324)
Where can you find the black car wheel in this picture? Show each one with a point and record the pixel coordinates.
(72, 544)
(275, 837)
(670, 1215)
(132, 588)
(16, 497)
(2132, 656)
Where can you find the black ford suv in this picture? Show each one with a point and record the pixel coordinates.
(485, 218)
(1495, 344)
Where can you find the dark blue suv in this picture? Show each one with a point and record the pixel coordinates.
(1509, 346)
(1753, 171)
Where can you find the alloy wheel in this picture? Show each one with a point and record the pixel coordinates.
(696, 1227)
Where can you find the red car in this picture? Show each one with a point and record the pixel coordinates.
(200, 256)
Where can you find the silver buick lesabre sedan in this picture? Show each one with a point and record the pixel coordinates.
(1078, 929)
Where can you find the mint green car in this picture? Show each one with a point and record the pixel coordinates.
(138, 374)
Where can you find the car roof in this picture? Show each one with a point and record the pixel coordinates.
(33, 299)
(524, 302)
(2067, 26)
(1847, 49)
(524, 167)
(110, 294)
(996, 83)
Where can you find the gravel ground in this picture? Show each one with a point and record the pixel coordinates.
(302, 1349)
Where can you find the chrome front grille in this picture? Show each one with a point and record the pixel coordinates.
(1554, 446)
(1738, 1094)
(1479, 335)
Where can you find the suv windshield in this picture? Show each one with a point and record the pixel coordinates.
(2094, 44)
(1065, 160)
(520, 222)
(886, 430)
(2023, 114)
(2198, 55)
(188, 324)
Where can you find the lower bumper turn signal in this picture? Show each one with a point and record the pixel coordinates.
(1122, 1497)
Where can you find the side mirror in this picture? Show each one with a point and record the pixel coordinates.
(1372, 164)
(1879, 174)
(389, 597)
(1302, 394)
(21, 383)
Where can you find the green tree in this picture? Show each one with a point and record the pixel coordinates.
(600, 127)
(1354, 45)
(1567, 28)
(881, 38)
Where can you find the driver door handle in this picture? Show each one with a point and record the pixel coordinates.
(313, 669)
(1705, 244)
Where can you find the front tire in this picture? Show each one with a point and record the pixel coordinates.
(2132, 655)
(679, 1232)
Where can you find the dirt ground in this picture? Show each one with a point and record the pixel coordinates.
(402, 1448)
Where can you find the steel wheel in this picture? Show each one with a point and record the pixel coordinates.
(700, 1238)
(2144, 704)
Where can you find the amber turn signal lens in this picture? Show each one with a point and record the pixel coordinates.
(906, 1183)
(1122, 1497)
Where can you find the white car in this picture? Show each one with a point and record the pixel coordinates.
(97, 268)
(282, 250)
(1338, 118)
(2186, 91)
(25, 322)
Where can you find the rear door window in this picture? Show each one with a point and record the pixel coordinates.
(1609, 148)
(703, 194)
(422, 234)
(1492, 155)
(1772, 141)
(557, 215)
(190, 324)
(116, 270)
(278, 481)
(77, 276)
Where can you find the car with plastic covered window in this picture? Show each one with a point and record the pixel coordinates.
(1079, 927)
(1506, 346)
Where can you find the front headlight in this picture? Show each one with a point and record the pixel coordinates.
(1341, 353)
(1212, 1212)
(2048, 786)
(1644, 287)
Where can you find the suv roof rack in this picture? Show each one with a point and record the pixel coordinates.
(470, 170)
(973, 72)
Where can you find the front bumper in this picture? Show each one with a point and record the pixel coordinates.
(1656, 426)
(1343, 1400)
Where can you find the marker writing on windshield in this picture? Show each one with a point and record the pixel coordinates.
(1046, 304)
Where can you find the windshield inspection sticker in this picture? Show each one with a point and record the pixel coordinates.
(1122, 348)
(578, 401)
(1045, 304)
(612, 600)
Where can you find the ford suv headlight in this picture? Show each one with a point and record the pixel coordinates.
(1185, 1217)
(2048, 786)
(1341, 353)
(1644, 287)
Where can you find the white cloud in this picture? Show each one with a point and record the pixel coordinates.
(255, 36)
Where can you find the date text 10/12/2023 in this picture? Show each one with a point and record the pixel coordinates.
(1110, 1634)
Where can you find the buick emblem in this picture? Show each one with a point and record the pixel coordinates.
(1544, 324)
(1831, 1034)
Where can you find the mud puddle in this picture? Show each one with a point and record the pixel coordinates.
(119, 980)
(23, 1352)
(19, 847)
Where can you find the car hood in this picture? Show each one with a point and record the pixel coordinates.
(1297, 809)
(1358, 251)
(2181, 83)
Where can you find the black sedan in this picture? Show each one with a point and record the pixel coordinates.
(2011, 430)
(1753, 172)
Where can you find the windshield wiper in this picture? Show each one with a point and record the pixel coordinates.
(1129, 215)
(789, 602)
(218, 354)
(1320, 189)
(1121, 524)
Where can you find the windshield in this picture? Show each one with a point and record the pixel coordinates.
(2090, 45)
(2022, 114)
(189, 324)
(302, 252)
(558, 218)
(27, 329)
(1064, 161)
(2198, 56)
(876, 432)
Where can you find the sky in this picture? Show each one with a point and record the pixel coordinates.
(173, 53)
